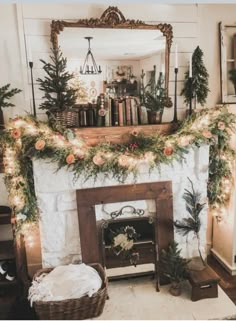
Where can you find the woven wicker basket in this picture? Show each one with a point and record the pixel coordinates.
(68, 118)
(73, 309)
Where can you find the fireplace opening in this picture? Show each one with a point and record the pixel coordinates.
(101, 237)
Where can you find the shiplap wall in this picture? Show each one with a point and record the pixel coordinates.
(184, 19)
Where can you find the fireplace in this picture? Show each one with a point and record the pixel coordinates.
(90, 234)
(60, 233)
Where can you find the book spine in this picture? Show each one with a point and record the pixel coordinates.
(100, 119)
(110, 110)
(128, 111)
(115, 113)
(121, 119)
(107, 115)
(124, 111)
(134, 112)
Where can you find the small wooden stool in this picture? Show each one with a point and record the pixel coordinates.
(204, 284)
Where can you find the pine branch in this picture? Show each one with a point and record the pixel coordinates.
(194, 208)
(6, 94)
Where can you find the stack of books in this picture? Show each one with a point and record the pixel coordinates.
(123, 111)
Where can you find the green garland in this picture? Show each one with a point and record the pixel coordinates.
(26, 139)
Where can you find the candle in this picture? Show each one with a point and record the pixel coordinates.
(30, 59)
(176, 55)
(190, 66)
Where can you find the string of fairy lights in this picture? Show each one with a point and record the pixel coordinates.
(26, 138)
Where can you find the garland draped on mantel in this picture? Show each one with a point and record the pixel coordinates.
(26, 138)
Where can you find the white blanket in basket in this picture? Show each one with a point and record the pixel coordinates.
(65, 282)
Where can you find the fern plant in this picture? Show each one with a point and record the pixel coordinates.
(193, 222)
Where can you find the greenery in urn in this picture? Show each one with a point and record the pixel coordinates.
(193, 222)
(5, 95)
(154, 95)
(232, 78)
(58, 94)
(174, 267)
(198, 89)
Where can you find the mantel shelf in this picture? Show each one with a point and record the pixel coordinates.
(120, 134)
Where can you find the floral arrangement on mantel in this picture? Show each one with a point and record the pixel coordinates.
(26, 138)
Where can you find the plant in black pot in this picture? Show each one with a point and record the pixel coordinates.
(5, 95)
(154, 96)
(173, 267)
(59, 97)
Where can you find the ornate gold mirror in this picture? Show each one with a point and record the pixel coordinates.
(120, 46)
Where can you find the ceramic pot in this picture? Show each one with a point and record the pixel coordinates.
(175, 289)
(154, 117)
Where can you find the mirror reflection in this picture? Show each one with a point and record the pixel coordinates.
(121, 68)
(121, 54)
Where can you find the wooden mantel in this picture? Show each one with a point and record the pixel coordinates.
(120, 134)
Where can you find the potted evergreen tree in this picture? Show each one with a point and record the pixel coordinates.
(173, 267)
(59, 97)
(154, 97)
(5, 95)
(198, 89)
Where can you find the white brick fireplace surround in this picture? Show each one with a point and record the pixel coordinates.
(56, 195)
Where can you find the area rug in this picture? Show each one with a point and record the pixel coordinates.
(137, 299)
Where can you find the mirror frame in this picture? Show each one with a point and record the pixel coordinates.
(112, 17)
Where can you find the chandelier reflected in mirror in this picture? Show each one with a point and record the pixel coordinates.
(90, 67)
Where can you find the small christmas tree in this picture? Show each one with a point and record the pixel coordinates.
(58, 95)
(174, 267)
(200, 89)
(154, 95)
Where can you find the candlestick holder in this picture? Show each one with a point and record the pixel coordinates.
(191, 95)
(175, 119)
(32, 86)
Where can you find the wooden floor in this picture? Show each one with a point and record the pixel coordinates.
(227, 281)
(12, 308)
